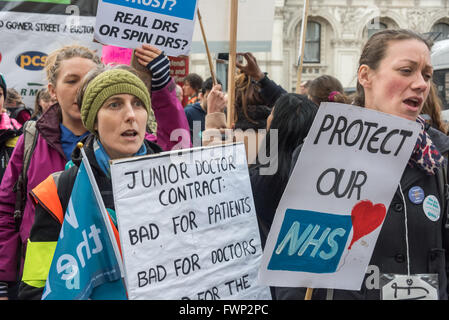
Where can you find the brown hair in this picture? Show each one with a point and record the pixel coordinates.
(375, 50)
(13, 96)
(321, 88)
(195, 81)
(432, 107)
(54, 59)
(247, 92)
(42, 94)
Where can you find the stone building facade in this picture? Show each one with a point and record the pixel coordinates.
(336, 33)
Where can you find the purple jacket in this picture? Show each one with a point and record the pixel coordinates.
(48, 157)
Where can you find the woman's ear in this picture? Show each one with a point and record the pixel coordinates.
(364, 76)
(52, 91)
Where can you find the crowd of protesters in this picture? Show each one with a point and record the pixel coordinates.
(108, 110)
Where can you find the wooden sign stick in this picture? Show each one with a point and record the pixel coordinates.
(298, 83)
(232, 58)
(308, 294)
(302, 43)
(211, 66)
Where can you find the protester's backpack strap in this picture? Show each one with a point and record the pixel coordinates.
(30, 135)
(46, 194)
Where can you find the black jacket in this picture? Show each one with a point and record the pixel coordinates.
(195, 112)
(428, 240)
(270, 91)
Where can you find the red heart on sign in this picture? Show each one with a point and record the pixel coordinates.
(366, 217)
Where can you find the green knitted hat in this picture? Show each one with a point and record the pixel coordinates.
(107, 84)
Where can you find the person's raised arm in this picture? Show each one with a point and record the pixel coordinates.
(270, 91)
(215, 119)
(216, 100)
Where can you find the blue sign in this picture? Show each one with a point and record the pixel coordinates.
(184, 9)
(84, 264)
(310, 241)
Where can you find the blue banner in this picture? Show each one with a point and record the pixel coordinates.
(84, 264)
(184, 9)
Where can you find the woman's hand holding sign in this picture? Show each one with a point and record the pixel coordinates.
(146, 54)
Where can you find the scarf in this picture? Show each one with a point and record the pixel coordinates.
(103, 159)
(425, 155)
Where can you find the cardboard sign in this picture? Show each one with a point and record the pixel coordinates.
(179, 69)
(188, 226)
(165, 24)
(334, 205)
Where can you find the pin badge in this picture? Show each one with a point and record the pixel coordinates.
(432, 208)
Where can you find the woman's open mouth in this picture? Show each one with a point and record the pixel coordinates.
(413, 102)
(129, 133)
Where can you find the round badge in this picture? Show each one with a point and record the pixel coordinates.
(416, 195)
(432, 208)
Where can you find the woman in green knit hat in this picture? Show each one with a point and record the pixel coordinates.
(115, 105)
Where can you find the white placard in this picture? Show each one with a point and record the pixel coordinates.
(188, 226)
(334, 205)
(165, 24)
(27, 39)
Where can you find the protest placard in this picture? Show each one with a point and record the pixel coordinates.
(165, 24)
(188, 225)
(334, 205)
(179, 69)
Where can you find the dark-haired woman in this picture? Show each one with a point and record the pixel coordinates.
(394, 77)
(287, 125)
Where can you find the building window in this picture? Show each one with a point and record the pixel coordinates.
(440, 31)
(374, 27)
(313, 42)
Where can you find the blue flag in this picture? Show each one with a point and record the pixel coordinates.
(84, 265)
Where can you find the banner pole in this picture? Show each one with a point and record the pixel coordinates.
(302, 43)
(211, 67)
(104, 213)
(232, 58)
